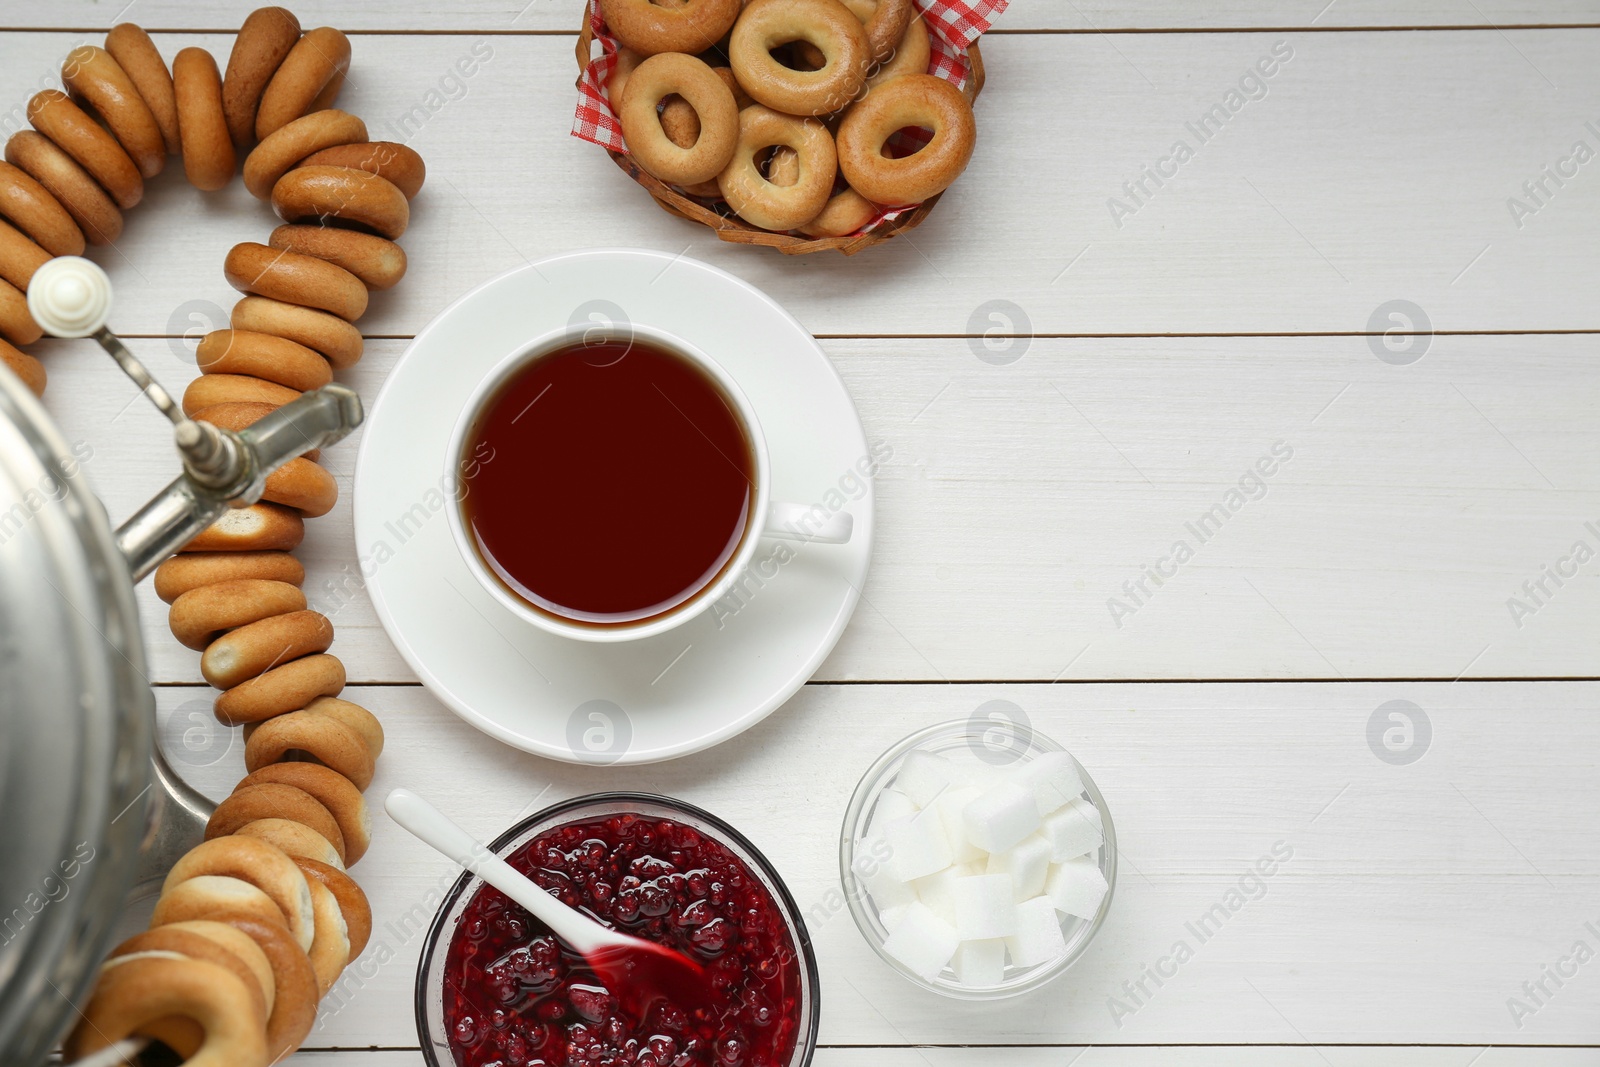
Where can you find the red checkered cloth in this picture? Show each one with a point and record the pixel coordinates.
(953, 25)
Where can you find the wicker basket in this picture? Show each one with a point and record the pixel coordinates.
(730, 227)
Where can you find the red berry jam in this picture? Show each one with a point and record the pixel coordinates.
(514, 996)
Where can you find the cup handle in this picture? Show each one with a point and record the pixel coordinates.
(808, 523)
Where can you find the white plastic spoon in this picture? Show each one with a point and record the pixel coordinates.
(637, 972)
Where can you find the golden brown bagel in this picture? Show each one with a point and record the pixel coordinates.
(95, 150)
(204, 895)
(325, 739)
(94, 212)
(91, 74)
(318, 193)
(339, 342)
(351, 898)
(332, 790)
(136, 54)
(847, 212)
(208, 155)
(139, 991)
(16, 323)
(282, 689)
(256, 528)
(294, 1008)
(354, 716)
(272, 800)
(706, 95)
(296, 279)
(24, 366)
(378, 262)
(296, 839)
(757, 200)
(263, 865)
(20, 256)
(387, 159)
(181, 1033)
(293, 142)
(304, 486)
(200, 616)
(192, 570)
(692, 26)
(209, 390)
(921, 100)
(259, 646)
(317, 60)
(264, 356)
(37, 213)
(826, 24)
(259, 49)
(240, 945)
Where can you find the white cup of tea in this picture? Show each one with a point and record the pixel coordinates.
(564, 563)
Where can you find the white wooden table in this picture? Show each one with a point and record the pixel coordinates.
(1144, 369)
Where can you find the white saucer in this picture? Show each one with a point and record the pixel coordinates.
(638, 701)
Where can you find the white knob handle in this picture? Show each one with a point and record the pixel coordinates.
(70, 297)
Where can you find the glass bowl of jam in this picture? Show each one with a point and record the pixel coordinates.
(496, 989)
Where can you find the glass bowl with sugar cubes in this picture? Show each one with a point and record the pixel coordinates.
(978, 860)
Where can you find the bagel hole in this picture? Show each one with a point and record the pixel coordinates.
(157, 1054)
(779, 164)
(800, 55)
(679, 120)
(333, 222)
(906, 141)
(299, 755)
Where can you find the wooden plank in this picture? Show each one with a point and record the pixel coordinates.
(1303, 214)
(503, 16)
(1416, 901)
(1019, 499)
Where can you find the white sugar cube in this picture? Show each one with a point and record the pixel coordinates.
(985, 906)
(1072, 831)
(918, 844)
(1000, 817)
(892, 804)
(923, 776)
(1038, 938)
(980, 963)
(923, 942)
(1052, 778)
(1027, 863)
(951, 803)
(934, 891)
(891, 917)
(1076, 887)
(886, 890)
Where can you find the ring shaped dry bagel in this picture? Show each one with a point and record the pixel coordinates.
(757, 200)
(20, 256)
(330, 943)
(350, 896)
(354, 716)
(294, 1007)
(886, 27)
(295, 839)
(139, 991)
(272, 800)
(209, 390)
(24, 366)
(175, 1031)
(846, 213)
(16, 323)
(921, 100)
(37, 213)
(242, 654)
(911, 56)
(317, 60)
(82, 138)
(648, 28)
(661, 76)
(204, 895)
(293, 142)
(263, 41)
(136, 54)
(346, 193)
(324, 739)
(827, 25)
(262, 355)
(94, 212)
(259, 527)
(91, 74)
(339, 342)
(189, 571)
(332, 790)
(304, 486)
(282, 689)
(296, 279)
(387, 159)
(378, 262)
(240, 945)
(208, 155)
(199, 616)
(263, 865)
